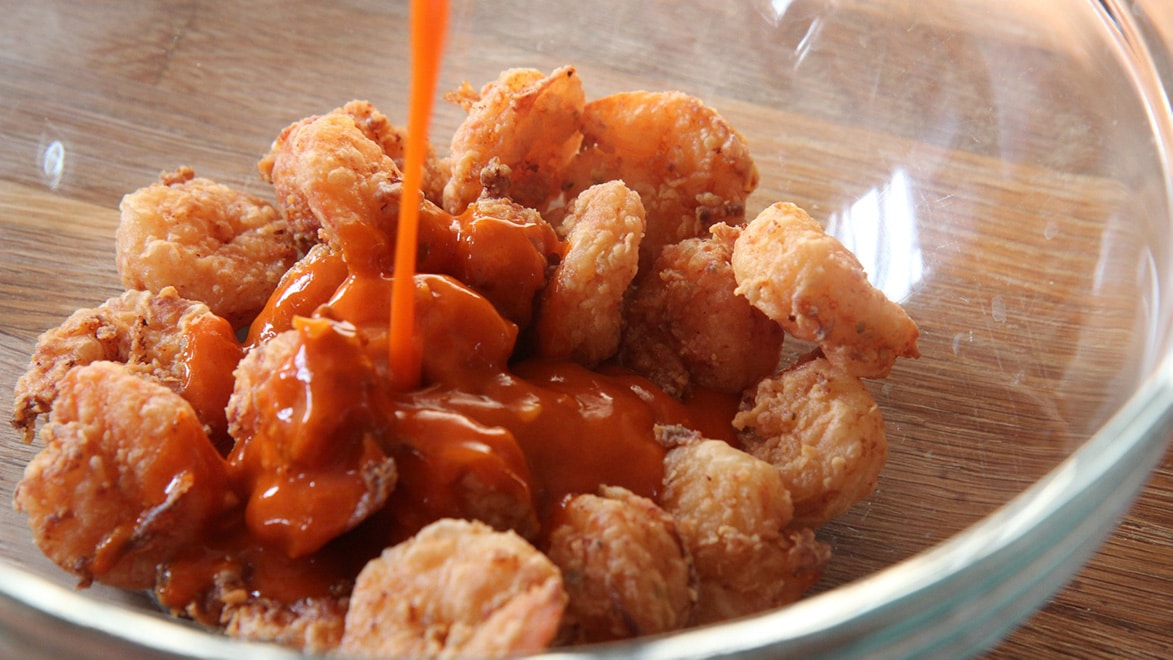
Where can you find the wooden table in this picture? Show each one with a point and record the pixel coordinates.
(96, 100)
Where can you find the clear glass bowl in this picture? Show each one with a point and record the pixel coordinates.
(1001, 168)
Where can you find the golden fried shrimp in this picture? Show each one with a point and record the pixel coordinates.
(804, 279)
(732, 510)
(213, 244)
(177, 342)
(328, 174)
(580, 313)
(685, 326)
(126, 479)
(291, 196)
(821, 429)
(528, 122)
(378, 128)
(689, 166)
(624, 566)
(457, 588)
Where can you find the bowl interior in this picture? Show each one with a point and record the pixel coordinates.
(991, 165)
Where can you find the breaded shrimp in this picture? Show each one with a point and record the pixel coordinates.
(580, 311)
(458, 588)
(733, 510)
(291, 199)
(177, 342)
(685, 326)
(213, 244)
(377, 127)
(821, 429)
(528, 122)
(804, 279)
(689, 166)
(624, 566)
(327, 169)
(127, 477)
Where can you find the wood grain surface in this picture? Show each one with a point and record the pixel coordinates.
(982, 165)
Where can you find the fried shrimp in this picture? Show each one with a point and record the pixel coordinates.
(458, 588)
(177, 342)
(291, 195)
(624, 566)
(327, 172)
(581, 309)
(378, 128)
(526, 121)
(212, 243)
(804, 279)
(732, 510)
(689, 166)
(821, 429)
(126, 479)
(685, 326)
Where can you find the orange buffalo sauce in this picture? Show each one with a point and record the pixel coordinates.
(209, 354)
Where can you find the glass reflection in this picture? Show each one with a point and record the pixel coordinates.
(881, 229)
(51, 161)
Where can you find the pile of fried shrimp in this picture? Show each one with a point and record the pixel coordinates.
(606, 441)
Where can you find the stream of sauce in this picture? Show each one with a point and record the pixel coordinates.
(429, 20)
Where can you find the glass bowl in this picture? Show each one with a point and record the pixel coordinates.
(1000, 168)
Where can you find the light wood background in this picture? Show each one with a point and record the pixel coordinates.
(985, 159)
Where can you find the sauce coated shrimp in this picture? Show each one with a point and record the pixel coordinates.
(127, 477)
(686, 327)
(733, 511)
(457, 588)
(689, 166)
(816, 289)
(821, 429)
(309, 453)
(213, 244)
(503, 251)
(177, 342)
(528, 122)
(624, 566)
(581, 309)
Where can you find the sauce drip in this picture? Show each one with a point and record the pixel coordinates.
(429, 18)
(210, 352)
